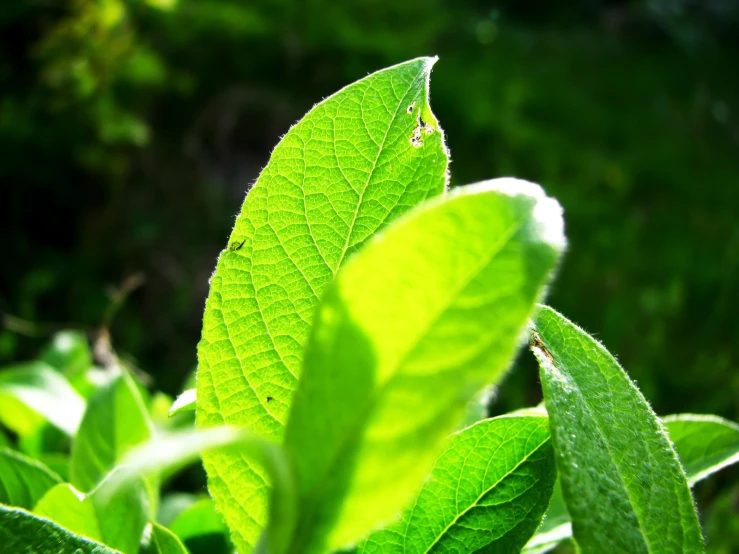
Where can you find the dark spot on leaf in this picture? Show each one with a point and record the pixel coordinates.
(270, 399)
(234, 246)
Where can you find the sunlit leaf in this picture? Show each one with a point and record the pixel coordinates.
(356, 161)
(487, 493)
(413, 327)
(43, 394)
(162, 541)
(21, 531)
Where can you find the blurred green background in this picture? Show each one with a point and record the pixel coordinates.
(130, 131)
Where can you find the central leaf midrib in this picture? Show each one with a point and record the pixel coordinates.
(484, 493)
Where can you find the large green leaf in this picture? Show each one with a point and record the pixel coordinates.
(201, 528)
(704, 443)
(33, 392)
(116, 518)
(412, 328)
(23, 532)
(116, 420)
(624, 486)
(162, 541)
(23, 481)
(487, 492)
(356, 161)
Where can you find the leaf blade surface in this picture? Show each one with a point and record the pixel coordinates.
(340, 174)
(622, 481)
(412, 329)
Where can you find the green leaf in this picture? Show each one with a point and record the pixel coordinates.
(33, 392)
(184, 403)
(705, 444)
(201, 528)
(172, 505)
(556, 527)
(115, 518)
(413, 327)
(487, 492)
(621, 479)
(171, 451)
(23, 480)
(162, 541)
(21, 531)
(356, 161)
(116, 420)
(68, 352)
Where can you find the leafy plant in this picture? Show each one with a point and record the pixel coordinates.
(355, 317)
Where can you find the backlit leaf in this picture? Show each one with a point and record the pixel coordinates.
(37, 388)
(116, 420)
(355, 162)
(116, 519)
(414, 326)
(487, 492)
(623, 484)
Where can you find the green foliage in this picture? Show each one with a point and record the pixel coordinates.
(33, 393)
(201, 528)
(116, 420)
(424, 325)
(387, 355)
(183, 403)
(23, 481)
(21, 531)
(356, 161)
(622, 481)
(115, 518)
(487, 491)
(705, 444)
(163, 541)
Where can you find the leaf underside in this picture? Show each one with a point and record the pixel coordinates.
(356, 161)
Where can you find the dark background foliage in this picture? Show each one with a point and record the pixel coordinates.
(130, 131)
